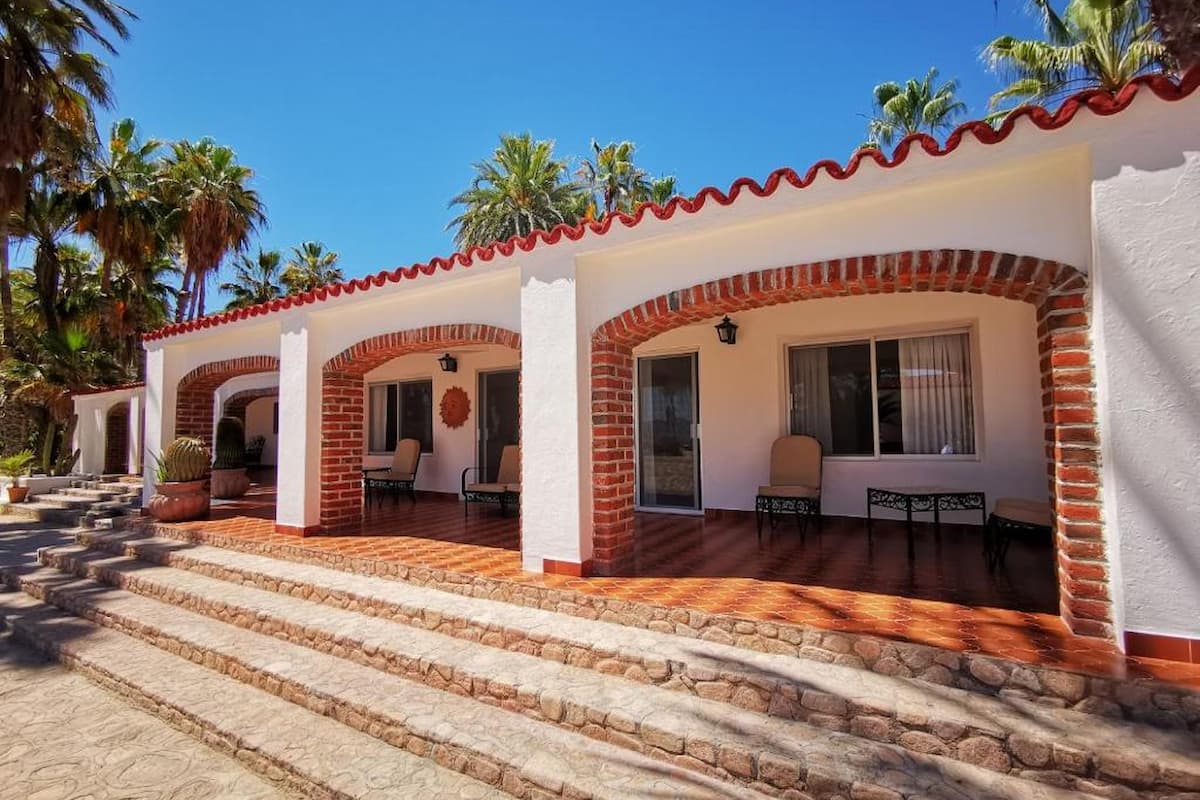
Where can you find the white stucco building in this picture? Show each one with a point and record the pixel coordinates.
(1052, 260)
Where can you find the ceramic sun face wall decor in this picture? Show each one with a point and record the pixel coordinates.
(455, 407)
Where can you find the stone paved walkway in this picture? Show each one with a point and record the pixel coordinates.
(61, 736)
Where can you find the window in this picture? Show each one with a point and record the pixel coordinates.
(901, 396)
(400, 411)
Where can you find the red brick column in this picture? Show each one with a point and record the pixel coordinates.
(612, 456)
(1060, 294)
(342, 429)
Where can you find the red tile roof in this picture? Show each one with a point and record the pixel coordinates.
(1098, 101)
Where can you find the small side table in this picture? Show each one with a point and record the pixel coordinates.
(924, 499)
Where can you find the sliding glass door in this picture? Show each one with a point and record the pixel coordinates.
(668, 433)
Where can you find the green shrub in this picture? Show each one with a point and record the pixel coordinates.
(231, 444)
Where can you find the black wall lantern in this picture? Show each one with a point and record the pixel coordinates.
(449, 363)
(727, 331)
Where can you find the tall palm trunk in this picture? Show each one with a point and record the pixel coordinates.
(182, 302)
(6, 298)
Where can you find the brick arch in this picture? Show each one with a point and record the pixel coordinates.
(1058, 292)
(194, 397)
(235, 404)
(343, 406)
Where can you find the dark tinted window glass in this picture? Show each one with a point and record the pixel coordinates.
(416, 413)
(887, 380)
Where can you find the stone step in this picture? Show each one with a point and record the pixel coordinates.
(43, 512)
(68, 501)
(94, 494)
(732, 743)
(938, 719)
(306, 753)
(521, 754)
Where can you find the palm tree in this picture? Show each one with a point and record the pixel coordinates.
(46, 81)
(116, 204)
(613, 178)
(213, 212)
(662, 189)
(917, 106)
(1094, 44)
(46, 220)
(142, 299)
(520, 189)
(1178, 21)
(310, 266)
(255, 280)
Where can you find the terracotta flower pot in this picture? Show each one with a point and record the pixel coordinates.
(229, 483)
(17, 494)
(179, 501)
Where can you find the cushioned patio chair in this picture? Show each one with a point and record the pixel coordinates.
(1012, 515)
(506, 490)
(795, 483)
(401, 476)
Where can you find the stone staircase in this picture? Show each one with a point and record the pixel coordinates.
(290, 663)
(82, 504)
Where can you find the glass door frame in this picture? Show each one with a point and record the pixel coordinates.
(698, 508)
(481, 377)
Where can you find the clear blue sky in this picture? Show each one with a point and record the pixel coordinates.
(361, 118)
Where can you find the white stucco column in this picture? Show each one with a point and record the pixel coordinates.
(556, 516)
(161, 385)
(298, 503)
(133, 444)
(1145, 196)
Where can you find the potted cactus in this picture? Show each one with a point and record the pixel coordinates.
(15, 467)
(182, 482)
(229, 477)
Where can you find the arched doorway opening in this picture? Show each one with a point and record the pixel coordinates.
(1059, 295)
(194, 398)
(343, 406)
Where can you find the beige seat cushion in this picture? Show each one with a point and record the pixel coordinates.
(1031, 512)
(391, 475)
(493, 488)
(789, 491)
(796, 461)
(515, 488)
(510, 465)
(406, 457)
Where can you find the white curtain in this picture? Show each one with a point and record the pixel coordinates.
(935, 395)
(810, 394)
(378, 419)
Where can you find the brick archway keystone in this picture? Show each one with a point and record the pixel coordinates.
(1058, 292)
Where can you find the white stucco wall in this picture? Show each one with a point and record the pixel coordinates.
(453, 448)
(743, 397)
(1147, 290)
(91, 427)
(260, 420)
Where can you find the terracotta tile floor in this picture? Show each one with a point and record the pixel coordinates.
(835, 581)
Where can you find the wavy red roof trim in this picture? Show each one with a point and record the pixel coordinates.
(1098, 101)
(103, 389)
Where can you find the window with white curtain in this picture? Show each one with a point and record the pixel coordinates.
(910, 395)
(402, 410)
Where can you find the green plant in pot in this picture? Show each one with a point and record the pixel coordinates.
(181, 491)
(229, 477)
(14, 468)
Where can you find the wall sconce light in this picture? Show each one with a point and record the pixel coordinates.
(449, 363)
(727, 331)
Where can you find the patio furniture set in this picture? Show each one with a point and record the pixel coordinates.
(401, 478)
(795, 489)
